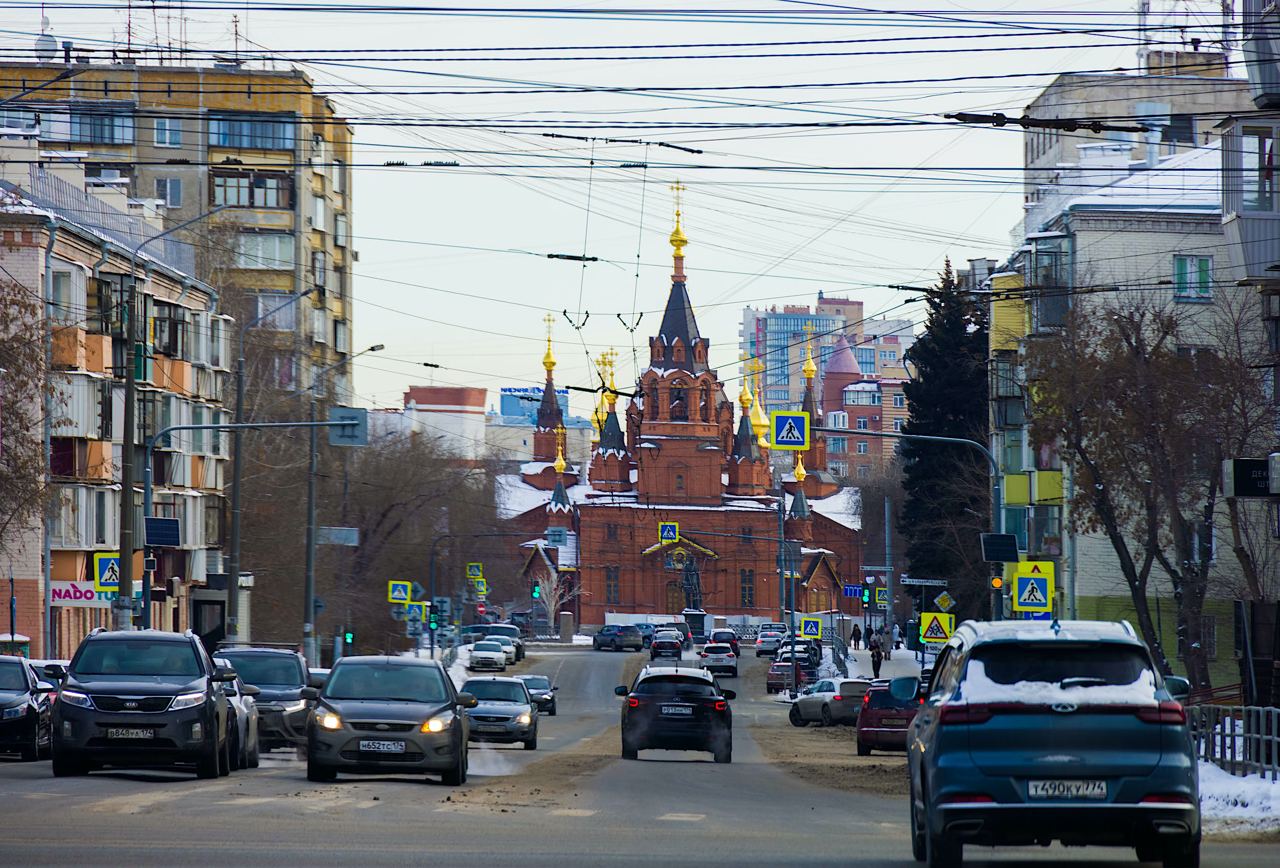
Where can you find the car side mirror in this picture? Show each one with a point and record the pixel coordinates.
(904, 689)
(56, 671)
(556, 687)
(620, 690)
(729, 694)
(316, 681)
(309, 693)
(250, 690)
(1179, 688)
(466, 700)
(223, 674)
(44, 687)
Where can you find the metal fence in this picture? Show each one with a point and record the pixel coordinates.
(1239, 739)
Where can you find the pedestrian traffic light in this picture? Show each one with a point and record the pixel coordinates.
(433, 618)
(536, 593)
(349, 637)
(866, 594)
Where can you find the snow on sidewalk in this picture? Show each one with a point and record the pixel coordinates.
(1234, 804)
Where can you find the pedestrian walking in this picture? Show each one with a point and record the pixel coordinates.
(897, 637)
(886, 642)
(876, 657)
(855, 636)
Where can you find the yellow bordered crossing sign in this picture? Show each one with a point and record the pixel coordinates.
(936, 627)
(1033, 586)
(789, 430)
(398, 591)
(106, 571)
(811, 628)
(475, 570)
(668, 531)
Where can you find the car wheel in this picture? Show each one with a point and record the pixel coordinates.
(552, 711)
(942, 851)
(917, 831)
(254, 757)
(826, 715)
(30, 753)
(532, 743)
(863, 748)
(319, 774)
(630, 750)
(795, 717)
(66, 765)
(457, 776)
(224, 758)
(207, 765)
(723, 752)
(235, 755)
(1149, 853)
(1183, 855)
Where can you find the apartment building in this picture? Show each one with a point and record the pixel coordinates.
(186, 139)
(74, 250)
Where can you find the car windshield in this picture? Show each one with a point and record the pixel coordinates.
(537, 682)
(502, 630)
(137, 657)
(674, 685)
(12, 676)
(268, 670)
(1068, 664)
(488, 646)
(880, 699)
(386, 681)
(496, 691)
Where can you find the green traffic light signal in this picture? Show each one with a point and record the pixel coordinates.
(537, 592)
(434, 621)
(349, 636)
(866, 595)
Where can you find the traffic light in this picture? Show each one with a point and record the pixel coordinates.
(433, 618)
(536, 593)
(349, 637)
(866, 594)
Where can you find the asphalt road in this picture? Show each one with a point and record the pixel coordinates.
(571, 802)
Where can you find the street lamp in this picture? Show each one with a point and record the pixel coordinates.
(237, 470)
(309, 649)
(123, 605)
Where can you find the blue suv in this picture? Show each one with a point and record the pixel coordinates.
(1030, 732)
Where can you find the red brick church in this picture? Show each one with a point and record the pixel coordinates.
(681, 459)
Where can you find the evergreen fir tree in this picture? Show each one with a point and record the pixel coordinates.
(947, 487)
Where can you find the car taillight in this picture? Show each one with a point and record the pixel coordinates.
(730, 654)
(965, 798)
(1166, 799)
(633, 702)
(837, 697)
(866, 699)
(721, 705)
(702, 653)
(1166, 712)
(960, 713)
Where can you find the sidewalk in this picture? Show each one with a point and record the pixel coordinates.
(902, 663)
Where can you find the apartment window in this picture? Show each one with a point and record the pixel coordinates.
(863, 447)
(284, 371)
(198, 437)
(276, 313)
(1259, 147)
(317, 213)
(612, 585)
(1012, 452)
(319, 325)
(231, 190)
(611, 531)
(866, 357)
(337, 176)
(97, 127)
(899, 401)
(1192, 278)
(838, 469)
(888, 355)
(319, 268)
(1181, 129)
(747, 594)
(68, 298)
(341, 336)
(169, 191)
(864, 472)
(341, 226)
(251, 189)
(168, 133)
(100, 518)
(897, 425)
(272, 191)
(838, 419)
(838, 445)
(265, 250)
(863, 424)
(233, 130)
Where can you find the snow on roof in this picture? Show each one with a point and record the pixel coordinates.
(844, 507)
(516, 497)
(977, 687)
(1188, 182)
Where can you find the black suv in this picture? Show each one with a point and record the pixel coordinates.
(672, 708)
(141, 698)
(280, 675)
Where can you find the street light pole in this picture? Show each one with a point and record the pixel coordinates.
(237, 471)
(309, 649)
(122, 606)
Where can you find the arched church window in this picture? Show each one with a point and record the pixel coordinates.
(679, 482)
(704, 402)
(679, 402)
(652, 402)
(677, 351)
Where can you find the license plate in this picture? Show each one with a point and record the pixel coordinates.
(1067, 789)
(490, 727)
(894, 721)
(379, 746)
(677, 709)
(130, 732)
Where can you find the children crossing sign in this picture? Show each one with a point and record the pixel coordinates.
(936, 627)
(398, 592)
(1033, 586)
(789, 430)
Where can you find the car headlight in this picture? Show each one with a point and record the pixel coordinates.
(525, 719)
(439, 723)
(294, 707)
(186, 700)
(328, 720)
(76, 698)
(14, 713)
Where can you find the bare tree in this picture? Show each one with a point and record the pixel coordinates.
(557, 590)
(23, 385)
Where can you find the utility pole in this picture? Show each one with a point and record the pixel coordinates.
(122, 607)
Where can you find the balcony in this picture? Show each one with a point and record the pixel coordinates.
(1261, 29)
(1250, 198)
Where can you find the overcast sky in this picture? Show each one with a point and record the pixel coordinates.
(453, 266)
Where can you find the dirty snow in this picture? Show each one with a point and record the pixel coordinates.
(977, 687)
(1233, 804)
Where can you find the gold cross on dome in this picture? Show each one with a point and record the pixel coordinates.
(678, 188)
(550, 321)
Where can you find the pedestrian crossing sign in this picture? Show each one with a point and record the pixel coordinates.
(475, 570)
(668, 531)
(789, 430)
(882, 596)
(811, 628)
(106, 571)
(1033, 586)
(482, 587)
(936, 627)
(398, 592)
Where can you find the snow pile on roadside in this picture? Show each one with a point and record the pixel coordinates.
(977, 687)
(1232, 804)
(827, 668)
(579, 639)
(458, 670)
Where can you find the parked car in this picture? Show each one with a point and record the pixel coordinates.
(683, 629)
(771, 627)
(719, 658)
(778, 678)
(724, 636)
(618, 637)
(676, 709)
(141, 698)
(280, 675)
(245, 750)
(829, 701)
(388, 715)
(884, 720)
(508, 647)
(504, 711)
(803, 647)
(1032, 733)
(487, 654)
(666, 644)
(767, 643)
(803, 661)
(24, 710)
(542, 691)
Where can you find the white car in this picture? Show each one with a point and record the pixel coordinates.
(244, 746)
(487, 654)
(767, 643)
(719, 658)
(508, 646)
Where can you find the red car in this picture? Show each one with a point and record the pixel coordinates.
(883, 721)
(779, 676)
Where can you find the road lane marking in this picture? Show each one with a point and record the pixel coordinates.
(683, 818)
(573, 812)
